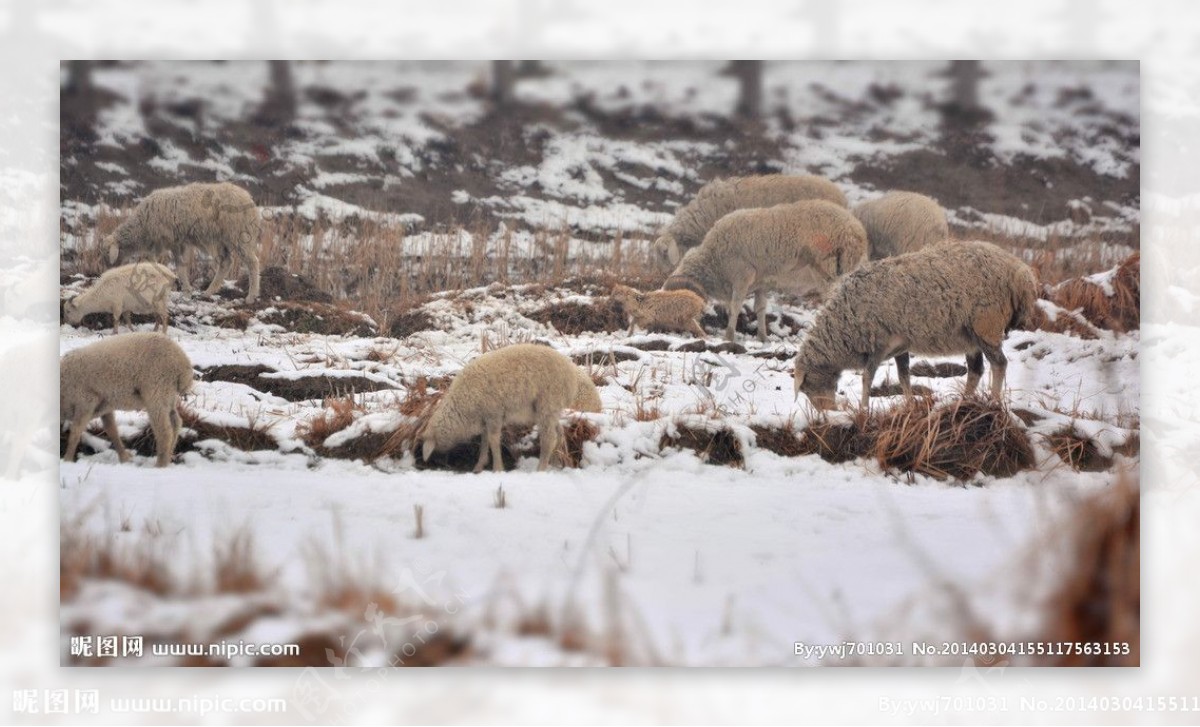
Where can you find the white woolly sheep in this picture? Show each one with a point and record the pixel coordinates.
(220, 219)
(141, 288)
(722, 196)
(801, 246)
(133, 371)
(948, 298)
(525, 383)
(900, 222)
(673, 310)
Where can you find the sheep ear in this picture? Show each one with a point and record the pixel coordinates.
(798, 381)
(427, 447)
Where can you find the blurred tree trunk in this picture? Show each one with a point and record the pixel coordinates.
(750, 87)
(79, 80)
(532, 69)
(503, 80)
(964, 85)
(77, 110)
(279, 104)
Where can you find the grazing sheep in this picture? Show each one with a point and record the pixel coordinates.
(135, 288)
(722, 196)
(137, 371)
(673, 310)
(220, 219)
(524, 383)
(952, 297)
(800, 246)
(900, 222)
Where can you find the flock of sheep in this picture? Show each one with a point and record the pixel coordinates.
(919, 293)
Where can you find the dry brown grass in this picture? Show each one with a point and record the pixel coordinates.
(784, 440)
(256, 436)
(955, 440)
(1081, 453)
(1098, 598)
(717, 446)
(1120, 311)
(339, 413)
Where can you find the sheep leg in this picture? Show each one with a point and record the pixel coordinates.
(164, 436)
(760, 314)
(696, 330)
(974, 372)
(482, 461)
(222, 268)
(116, 314)
(902, 370)
(183, 273)
(547, 442)
(494, 433)
(741, 289)
(110, 428)
(995, 356)
(868, 377)
(250, 258)
(78, 425)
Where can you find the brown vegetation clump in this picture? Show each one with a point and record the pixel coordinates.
(570, 318)
(338, 414)
(1081, 453)
(783, 440)
(254, 437)
(955, 440)
(712, 446)
(1098, 598)
(1120, 311)
(578, 431)
(840, 442)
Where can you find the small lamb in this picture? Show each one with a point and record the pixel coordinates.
(672, 310)
(801, 246)
(951, 297)
(722, 196)
(900, 222)
(141, 288)
(525, 383)
(133, 371)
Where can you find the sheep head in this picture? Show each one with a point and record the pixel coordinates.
(72, 313)
(665, 250)
(817, 384)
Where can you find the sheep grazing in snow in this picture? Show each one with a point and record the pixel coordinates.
(948, 298)
(133, 371)
(136, 288)
(220, 219)
(521, 384)
(801, 246)
(722, 196)
(900, 222)
(673, 310)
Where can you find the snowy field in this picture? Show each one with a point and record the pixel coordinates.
(652, 551)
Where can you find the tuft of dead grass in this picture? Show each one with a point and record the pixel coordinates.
(717, 446)
(955, 440)
(571, 319)
(784, 440)
(1081, 453)
(339, 413)
(1120, 311)
(1098, 598)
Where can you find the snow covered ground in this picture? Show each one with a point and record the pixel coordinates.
(704, 564)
